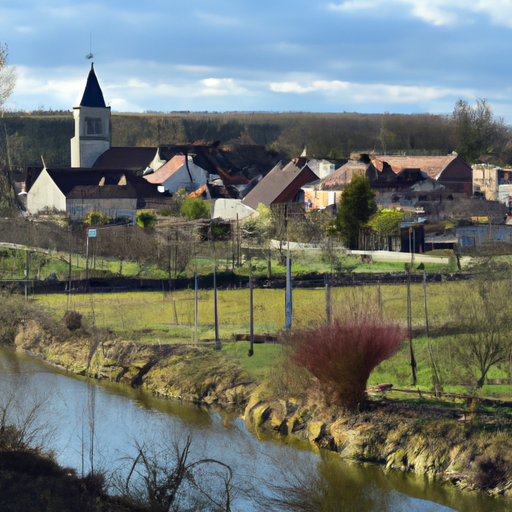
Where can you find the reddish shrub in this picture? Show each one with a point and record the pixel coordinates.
(343, 354)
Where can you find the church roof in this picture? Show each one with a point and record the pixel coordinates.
(93, 97)
(81, 180)
(136, 158)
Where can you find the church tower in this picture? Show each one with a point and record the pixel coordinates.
(92, 125)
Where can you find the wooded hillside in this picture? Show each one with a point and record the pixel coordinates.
(25, 138)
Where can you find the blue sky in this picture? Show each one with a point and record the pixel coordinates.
(403, 56)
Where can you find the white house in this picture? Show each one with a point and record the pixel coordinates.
(179, 172)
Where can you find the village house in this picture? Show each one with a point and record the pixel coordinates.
(399, 181)
(283, 184)
(116, 193)
(493, 183)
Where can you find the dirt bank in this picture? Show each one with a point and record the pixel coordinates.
(472, 451)
(193, 373)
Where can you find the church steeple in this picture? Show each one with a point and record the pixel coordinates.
(92, 125)
(93, 96)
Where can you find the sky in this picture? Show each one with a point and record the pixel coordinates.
(368, 56)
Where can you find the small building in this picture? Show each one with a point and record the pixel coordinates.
(117, 193)
(283, 184)
(231, 209)
(179, 172)
(451, 171)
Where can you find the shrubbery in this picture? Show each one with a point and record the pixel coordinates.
(73, 320)
(193, 209)
(97, 218)
(341, 355)
(146, 219)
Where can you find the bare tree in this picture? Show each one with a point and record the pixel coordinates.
(7, 76)
(484, 318)
(162, 478)
(24, 422)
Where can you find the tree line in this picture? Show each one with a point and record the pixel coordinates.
(471, 130)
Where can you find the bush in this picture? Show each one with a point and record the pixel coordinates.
(97, 218)
(343, 354)
(193, 209)
(73, 320)
(146, 219)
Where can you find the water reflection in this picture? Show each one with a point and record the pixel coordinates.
(99, 425)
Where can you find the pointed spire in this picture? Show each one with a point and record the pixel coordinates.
(93, 97)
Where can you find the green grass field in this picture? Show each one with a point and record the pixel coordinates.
(155, 317)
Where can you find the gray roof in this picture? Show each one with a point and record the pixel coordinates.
(281, 184)
(136, 158)
(73, 181)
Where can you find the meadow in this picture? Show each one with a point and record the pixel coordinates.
(156, 317)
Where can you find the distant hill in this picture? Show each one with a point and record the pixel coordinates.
(25, 138)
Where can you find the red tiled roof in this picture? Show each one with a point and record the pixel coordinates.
(433, 166)
(167, 170)
(342, 176)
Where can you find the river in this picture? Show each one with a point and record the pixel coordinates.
(89, 423)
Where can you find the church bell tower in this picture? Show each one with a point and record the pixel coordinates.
(92, 125)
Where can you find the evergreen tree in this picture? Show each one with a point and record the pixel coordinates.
(357, 205)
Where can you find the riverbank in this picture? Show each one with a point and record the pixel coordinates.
(436, 439)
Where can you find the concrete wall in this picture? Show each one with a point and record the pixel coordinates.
(485, 181)
(228, 209)
(115, 208)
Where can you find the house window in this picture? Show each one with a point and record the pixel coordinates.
(93, 126)
(466, 241)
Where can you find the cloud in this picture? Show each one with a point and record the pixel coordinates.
(192, 69)
(370, 93)
(435, 12)
(221, 87)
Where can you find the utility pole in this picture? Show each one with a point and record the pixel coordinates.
(27, 274)
(251, 309)
(409, 327)
(196, 309)
(215, 308)
(328, 306)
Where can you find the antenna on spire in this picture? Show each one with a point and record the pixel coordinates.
(90, 55)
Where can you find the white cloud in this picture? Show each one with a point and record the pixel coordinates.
(132, 83)
(190, 68)
(221, 87)
(369, 93)
(287, 87)
(436, 12)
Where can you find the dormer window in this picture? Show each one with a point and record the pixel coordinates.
(93, 126)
